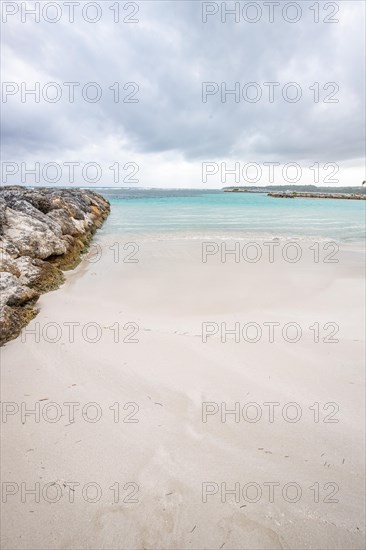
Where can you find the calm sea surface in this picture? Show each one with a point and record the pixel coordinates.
(195, 213)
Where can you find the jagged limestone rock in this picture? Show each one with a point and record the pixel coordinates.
(42, 231)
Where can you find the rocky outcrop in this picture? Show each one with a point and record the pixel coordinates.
(43, 231)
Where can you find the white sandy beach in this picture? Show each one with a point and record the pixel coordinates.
(163, 460)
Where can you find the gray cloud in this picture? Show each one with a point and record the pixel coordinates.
(169, 53)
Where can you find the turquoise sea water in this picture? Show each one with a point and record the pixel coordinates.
(192, 213)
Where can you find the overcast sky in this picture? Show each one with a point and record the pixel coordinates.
(169, 53)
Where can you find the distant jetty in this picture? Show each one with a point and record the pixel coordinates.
(303, 192)
(295, 195)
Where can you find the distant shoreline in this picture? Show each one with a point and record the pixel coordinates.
(309, 192)
(295, 195)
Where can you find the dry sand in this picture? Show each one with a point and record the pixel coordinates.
(165, 460)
